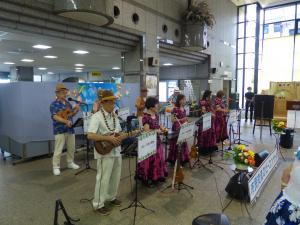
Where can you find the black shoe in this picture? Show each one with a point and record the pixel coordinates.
(251, 121)
(246, 120)
(116, 202)
(103, 211)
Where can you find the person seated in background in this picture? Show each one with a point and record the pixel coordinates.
(178, 118)
(286, 208)
(173, 97)
(153, 169)
(207, 139)
(221, 112)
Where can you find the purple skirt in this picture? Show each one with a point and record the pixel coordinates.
(154, 168)
(221, 129)
(173, 152)
(206, 141)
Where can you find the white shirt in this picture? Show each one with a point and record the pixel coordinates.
(97, 125)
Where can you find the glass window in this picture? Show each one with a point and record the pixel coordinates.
(241, 30)
(298, 26)
(280, 29)
(242, 14)
(240, 45)
(280, 14)
(163, 91)
(249, 79)
(296, 76)
(250, 44)
(298, 11)
(37, 78)
(240, 84)
(251, 12)
(250, 29)
(240, 61)
(249, 60)
(266, 28)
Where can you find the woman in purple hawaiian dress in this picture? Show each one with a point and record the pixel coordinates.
(221, 118)
(154, 168)
(207, 139)
(179, 117)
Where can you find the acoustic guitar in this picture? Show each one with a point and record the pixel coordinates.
(105, 147)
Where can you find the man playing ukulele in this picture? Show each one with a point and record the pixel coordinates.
(61, 114)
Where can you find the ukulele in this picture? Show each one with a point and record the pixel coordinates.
(66, 113)
(178, 175)
(194, 149)
(105, 147)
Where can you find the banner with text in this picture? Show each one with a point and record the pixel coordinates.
(123, 113)
(260, 176)
(206, 121)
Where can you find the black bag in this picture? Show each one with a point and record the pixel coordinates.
(237, 187)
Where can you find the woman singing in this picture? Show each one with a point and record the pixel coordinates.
(221, 115)
(153, 169)
(178, 118)
(207, 139)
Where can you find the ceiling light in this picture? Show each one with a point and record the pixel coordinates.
(9, 63)
(79, 64)
(78, 68)
(168, 64)
(50, 56)
(27, 60)
(42, 68)
(116, 68)
(50, 73)
(81, 52)
(78, 71)
(42, 46)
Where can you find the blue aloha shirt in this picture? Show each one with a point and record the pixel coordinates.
(58, 127)
(283, 212)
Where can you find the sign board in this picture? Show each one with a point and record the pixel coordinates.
(259, 178)
(186, 132)
(146, 145)
(96, 74)
(206, 121)
(86, 121)
(187, 110)
(123, 113)
(293, 119)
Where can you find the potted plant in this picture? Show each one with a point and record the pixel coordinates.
(242, 156)
(197, 17)
(278, 126)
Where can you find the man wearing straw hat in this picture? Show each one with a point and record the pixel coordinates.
(102, 127)
(61, 114)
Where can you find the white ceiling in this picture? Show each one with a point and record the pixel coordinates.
(17, 46)
(263, 3)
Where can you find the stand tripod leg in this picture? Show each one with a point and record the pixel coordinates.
(227, 205)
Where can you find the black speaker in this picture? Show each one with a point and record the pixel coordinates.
(237, 187)
(287, 139)
(260, 157)
(213, 70)
(211, 219)
(264, 106)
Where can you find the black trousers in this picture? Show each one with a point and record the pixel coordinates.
(251, 106)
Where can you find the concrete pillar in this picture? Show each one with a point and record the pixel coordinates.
(21, 73)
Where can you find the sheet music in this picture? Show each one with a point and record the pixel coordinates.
(86, 121)
(206, 121)
(293, 115)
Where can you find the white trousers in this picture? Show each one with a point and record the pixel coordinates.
(60, 141)
(107, 180)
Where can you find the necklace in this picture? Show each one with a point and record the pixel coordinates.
(106, 123)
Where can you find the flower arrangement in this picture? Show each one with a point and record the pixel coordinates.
(278, 126)
(199, 12)
(243, 157)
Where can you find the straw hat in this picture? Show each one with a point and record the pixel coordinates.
(60, 87)
(176, 89)
(105, 95)
(144, 89)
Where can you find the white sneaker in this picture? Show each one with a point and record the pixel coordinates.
(73, 166)
(56, 171)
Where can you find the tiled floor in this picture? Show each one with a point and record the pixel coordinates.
(28, 192)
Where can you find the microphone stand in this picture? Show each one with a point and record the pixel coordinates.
(87, 156)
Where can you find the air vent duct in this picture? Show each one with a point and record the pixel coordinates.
(96, 12)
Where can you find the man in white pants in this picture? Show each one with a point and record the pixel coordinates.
(61, 114)
(101, 128)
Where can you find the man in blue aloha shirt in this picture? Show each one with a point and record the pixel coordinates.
(62, 128)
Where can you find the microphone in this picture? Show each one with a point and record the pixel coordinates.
(78, 102)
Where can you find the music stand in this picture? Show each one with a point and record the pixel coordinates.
(80, 123)
(180, 185)
(136, 203)
(239, 119)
